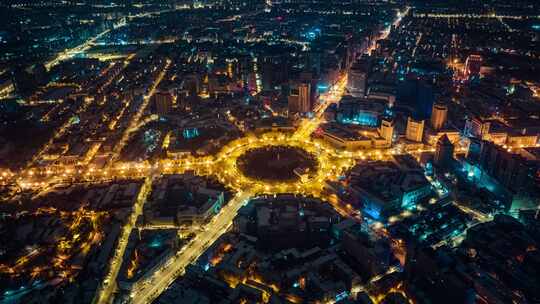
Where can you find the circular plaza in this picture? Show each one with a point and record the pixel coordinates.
(277, 163)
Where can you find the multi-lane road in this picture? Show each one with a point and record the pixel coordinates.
(166, 275)
(107, 287)
(134, 122)
(90, 42)
(223, 220)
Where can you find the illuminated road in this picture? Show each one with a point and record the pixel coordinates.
(478, 218)
(85, 46)
(331, 164)
(359, 288)
(307, 126)
(70, 53)
(335, 93)
(226, 169)
(138, 115)
(166, 275)
(386, 32)
(107, 287)
(224, 166)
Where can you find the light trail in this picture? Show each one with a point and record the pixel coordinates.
(474, 16)
(308, 126)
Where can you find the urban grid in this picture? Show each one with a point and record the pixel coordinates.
(270, 151)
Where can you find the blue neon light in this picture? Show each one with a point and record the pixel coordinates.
(372, 211)
(362, 119)
(341, 296)
(190, 133)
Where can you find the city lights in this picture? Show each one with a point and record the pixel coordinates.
(269, 151)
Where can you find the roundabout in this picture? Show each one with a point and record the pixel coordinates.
(272, 163)
(277, 163)
(239, 164)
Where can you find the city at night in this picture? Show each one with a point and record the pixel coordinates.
(270, 151)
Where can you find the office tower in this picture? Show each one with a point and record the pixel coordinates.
(273, 71)
(439, 115)
(473, 65)
(182, 99)
(418, 95)
(304, 97)
(444, 152)
(293, 103)
(386, 130)
(163, 102)
(510, 170)
(300, 99)
(474, 150)
(313, 61)
(268, 76)
(192, 84)
(415, 129)
(310, 78)
(477, 127)
(357, 80)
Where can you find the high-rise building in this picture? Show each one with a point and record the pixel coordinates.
(357, 80)
(510, 170)
(313, 61)
(444, 152)
(304, 97)
(192, 84)
(311, 78)
(357, 83)
(300, 99)
(439, 115)
(268, 76)
(182, 99)
(163, 102)
(273, 71)
(386, 130)
(473, 65)
(415, 129)
(477, 127)
(350, 55)
(293, 103)
(417, 95)
(474, 149)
